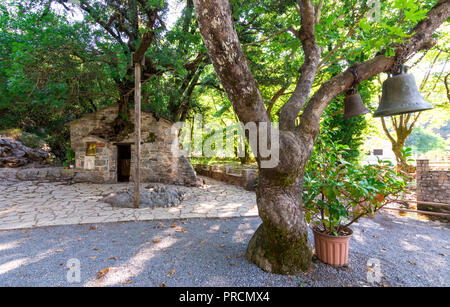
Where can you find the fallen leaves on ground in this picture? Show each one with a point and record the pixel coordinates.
(113, 258)
(222, 245)
(202, 242)
(411, 262)
(180, 229)
(93, 227)
(59, 250)
(95, 248)
(157, 240)
(102, 272)
(171, 273)
(127, 282)
(163, 285)
(93, 257)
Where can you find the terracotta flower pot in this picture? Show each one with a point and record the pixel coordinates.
(331, 249)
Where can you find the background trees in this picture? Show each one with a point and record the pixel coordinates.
(50, 72)
(56, 67)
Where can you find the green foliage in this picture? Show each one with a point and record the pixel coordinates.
(70, 155)
(49, 73)
(422, 141)
(336, 192)
(27, 139)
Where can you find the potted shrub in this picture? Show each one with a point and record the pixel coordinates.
(337, 193)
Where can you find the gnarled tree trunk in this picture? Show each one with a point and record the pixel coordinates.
(281, 243)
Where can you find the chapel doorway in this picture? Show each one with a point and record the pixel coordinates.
(123, 162)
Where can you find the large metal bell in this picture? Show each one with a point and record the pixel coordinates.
(400, 95)
(353, 106)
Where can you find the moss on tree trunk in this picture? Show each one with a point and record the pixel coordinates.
(275, 250)
(280, 245)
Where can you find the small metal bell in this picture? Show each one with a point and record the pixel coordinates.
(353, 106)
(400, 95)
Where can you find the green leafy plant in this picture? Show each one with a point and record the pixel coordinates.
(336, 193)
(70, 158)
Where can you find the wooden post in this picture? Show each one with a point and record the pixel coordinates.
(137, 131)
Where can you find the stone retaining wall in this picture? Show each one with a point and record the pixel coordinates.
(51, 174)
(432, 186)
(245, 178)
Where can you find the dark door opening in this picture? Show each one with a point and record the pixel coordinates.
(123, 162)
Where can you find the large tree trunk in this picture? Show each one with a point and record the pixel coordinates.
(280, 244)
(122, 124)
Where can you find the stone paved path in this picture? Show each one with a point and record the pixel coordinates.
(26, 204)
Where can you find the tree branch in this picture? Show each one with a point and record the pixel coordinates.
(292, 107)
(290, 29)
(386, 131)
(310, 123)
(221, 40)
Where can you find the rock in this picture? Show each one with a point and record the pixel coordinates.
(14, 154)
(153, 196)
(18, 153)
(12, 162)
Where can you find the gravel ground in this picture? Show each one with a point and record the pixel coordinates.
(209, 252)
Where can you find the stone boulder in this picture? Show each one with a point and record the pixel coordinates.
(14, 154)
(153, 196)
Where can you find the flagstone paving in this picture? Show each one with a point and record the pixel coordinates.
(26, 204)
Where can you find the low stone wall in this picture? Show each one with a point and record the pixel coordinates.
(51, 174)
(432, 186)
(245, 178)
(60, 174)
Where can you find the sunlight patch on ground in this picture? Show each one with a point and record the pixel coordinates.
(133, 267)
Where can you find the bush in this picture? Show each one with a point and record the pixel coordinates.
(336, 193)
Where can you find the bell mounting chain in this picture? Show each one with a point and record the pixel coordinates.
(353, 90)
